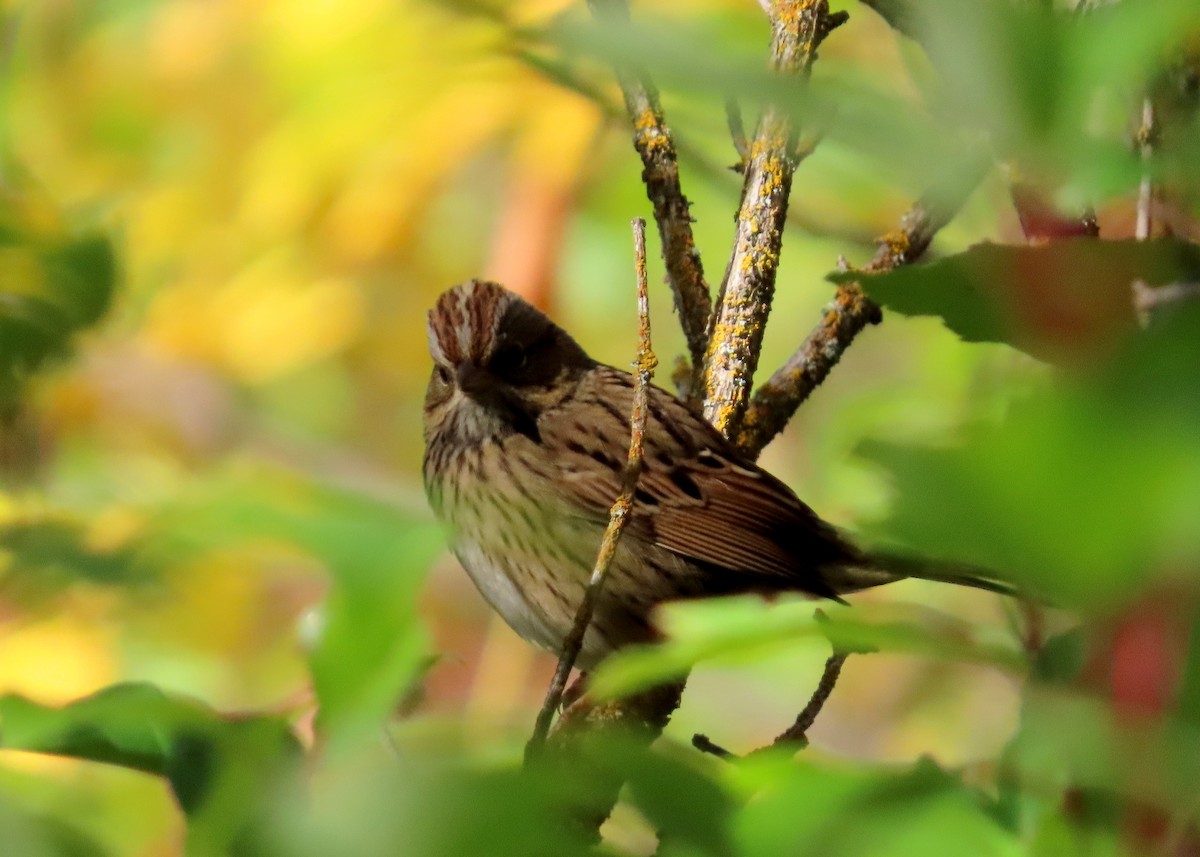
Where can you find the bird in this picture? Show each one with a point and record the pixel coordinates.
(526, 439)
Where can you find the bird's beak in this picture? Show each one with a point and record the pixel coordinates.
(486, 390)
(472, 379)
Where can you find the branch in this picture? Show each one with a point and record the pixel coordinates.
(736, 327)
(851, 311)
(660, 174)
(797, 733)
(619, 515)
(1144, 298)
(1147, 138)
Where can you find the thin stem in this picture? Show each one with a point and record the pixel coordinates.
(1147, 132)
(1144, 298)
(797, 733)
(705, 745)
(620, 512)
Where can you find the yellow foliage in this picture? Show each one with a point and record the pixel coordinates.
(259, 325)
(56, 660)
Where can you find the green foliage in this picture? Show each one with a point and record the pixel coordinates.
(1081, 487)
(1054, 301)
(53, 287)
(807, 809)
(367, 647)
(47, 556)
(45, 836)
(742, 630)
(1082, 449)
(224, 772)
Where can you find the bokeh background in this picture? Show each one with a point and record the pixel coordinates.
(287, 186)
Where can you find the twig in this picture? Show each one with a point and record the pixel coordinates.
(851, 311)
(660, 174)
(620, 513)
(1147, 135)
(1149, 299)
(1144, 298)
(705, 745)
(797, 733)
(737, 323)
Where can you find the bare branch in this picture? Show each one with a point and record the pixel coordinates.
(851, 311)
(736, 327)
(660, 174)
(1144, 298)
(619, 515)
(1147, 137)
(705, 745)
(1147, 299)
(797, 733)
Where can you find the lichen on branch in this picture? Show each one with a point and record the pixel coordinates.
(744, 303)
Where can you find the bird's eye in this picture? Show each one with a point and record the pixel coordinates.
(443, 374)
(509, 359)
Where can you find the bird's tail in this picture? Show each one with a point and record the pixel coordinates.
(876, 569)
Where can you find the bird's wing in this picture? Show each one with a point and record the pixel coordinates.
(696, 496)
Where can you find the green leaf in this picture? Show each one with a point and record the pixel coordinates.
(685, 805)
(738, 629)
(45, 556)
(1055, 301)
(1035, 77)
(1071, 741)
(224, 772)
(1085, 493)
(418, 803)
(50, 289)
(369, 646)
(35, 835)
(840, 812)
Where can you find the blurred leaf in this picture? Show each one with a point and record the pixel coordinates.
(1056, 835)
(45, 556)
(32, 835)
(740, 629)
(1189, 690)
(1061, 658)
(1083, 493)
(50, 289)
(222, 770)
(1034, 76)
(433, 804)
(369, 645)
(821, 810)
(1067, 740)
(685, 806)
(1053, 301)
